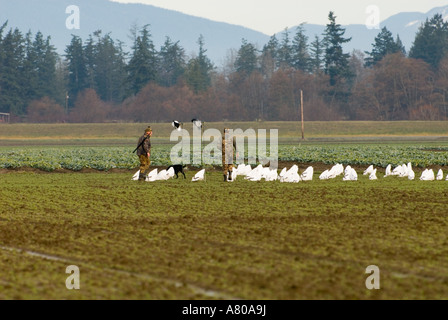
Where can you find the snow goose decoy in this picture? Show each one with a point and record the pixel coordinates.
(427, 175)
(368, 171)
(372, 175)
(199, 176)
(439, 175)
(152, 176)
(307, 175)
(136, 175)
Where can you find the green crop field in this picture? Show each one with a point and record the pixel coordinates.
(67, 199)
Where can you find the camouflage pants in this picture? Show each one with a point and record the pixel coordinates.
(144, 164)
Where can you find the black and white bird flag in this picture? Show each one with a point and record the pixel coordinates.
(177, 125)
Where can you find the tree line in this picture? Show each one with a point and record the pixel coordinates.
(96, 80)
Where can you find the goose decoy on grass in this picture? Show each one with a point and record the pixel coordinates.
(372, 175)
(439, 175)
(388, 171)
(152, 176)
(307, 175)
(369, 170)
(199, 176)
(427, 175)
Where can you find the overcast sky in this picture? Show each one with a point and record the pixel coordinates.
(271, 16)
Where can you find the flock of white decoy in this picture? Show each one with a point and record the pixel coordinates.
(292, 174)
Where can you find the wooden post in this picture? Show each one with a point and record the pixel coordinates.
(301, 107)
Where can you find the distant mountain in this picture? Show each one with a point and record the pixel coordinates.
(49, 17)
(405, 24)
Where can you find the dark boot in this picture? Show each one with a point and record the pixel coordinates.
(229, 175)
(225, 177)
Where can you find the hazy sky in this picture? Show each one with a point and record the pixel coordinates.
(271, 16)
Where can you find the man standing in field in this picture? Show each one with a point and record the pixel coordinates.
(144, 153)
(228, 148)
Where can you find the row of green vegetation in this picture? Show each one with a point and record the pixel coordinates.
(107, 158)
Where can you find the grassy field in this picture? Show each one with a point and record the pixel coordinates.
(210, 240)
(125, 133)
(249, 240)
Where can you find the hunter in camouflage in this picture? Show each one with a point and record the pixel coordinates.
(228, 150)
(144, 153)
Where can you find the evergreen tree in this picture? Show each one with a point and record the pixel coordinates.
(12, 77)
(336, 61)
(300, 54)
(284, 53)
(269, 57)
(384, 45)
(90, 58)
(316, 57)
(46, 58)
(246, 61)
(77, 68)
(110, 74)
(142, 67)
(198, 75)
(171, 63)
(431, 41)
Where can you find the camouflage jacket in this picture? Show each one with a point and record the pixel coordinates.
(145, 147)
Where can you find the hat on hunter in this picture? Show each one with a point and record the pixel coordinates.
(148, 129)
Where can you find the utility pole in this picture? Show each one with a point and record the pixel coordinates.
(301, 107)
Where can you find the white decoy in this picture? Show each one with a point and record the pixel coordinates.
(307, 175)
(388, 171)
(350, 174)
(324, 175)
(199, 176)
(372, 175)
(447, 177)
(427, 175)
(347, 169)
(411, 174)
(240, 169)
(273, 175)
(162, 175)
(439, 175)
(234, 174)
(255, 173)
(292, 175)
(152, 176)
(136, 175)
(397, 171)
(247, 169)
(282, 173)
(335, 171)
(255, 176)
(265, 172)
(369, 170)
(404, 171)
(170, 173)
